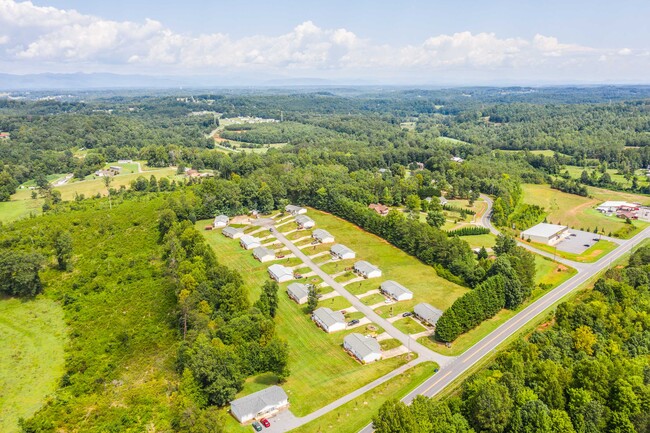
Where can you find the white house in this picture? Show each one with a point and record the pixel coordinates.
(341, 252)
(549, 234)
(330, 321)
(298, 292)
(220, 221)
(366, 270)
(249, 242)
(427, 313)
(395, 290)
(295, 210)
(280, 273)
(262, 403)
(231, 232)
(263, 254)
(365, 349)
(304, 222)
(322, 236)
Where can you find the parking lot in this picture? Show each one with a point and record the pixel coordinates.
(578, 242)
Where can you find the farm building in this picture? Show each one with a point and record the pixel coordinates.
(342, 252)
(611, 207)
(395, 291)
(298, 292)
(261, 403)
(220, 221)
(365, 349)
(295, 210)
(304, 222)
(544, 233)
(322, 236)
(379, 208)
(328, 320)
(249, 242)
(263, 254)
(426, 313)
(366, 270)
(231, 232)
(280, 273)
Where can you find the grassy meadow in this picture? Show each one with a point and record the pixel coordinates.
(31, 357)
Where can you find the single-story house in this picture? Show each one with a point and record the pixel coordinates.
(365, 349)
(427, 313)
(322, 236)
(443, 201)
(249, 242)
(610, 207)
(395, 290)
(304, 222)
(232, 232)
(295, 210)
(280, 273)
(457, 159)
(342, 252)
(221, 221)
(379, 208)
(366, 270)
(328, 320)
(259, 404)
(263, 254)
(298, 292)
(544, 233)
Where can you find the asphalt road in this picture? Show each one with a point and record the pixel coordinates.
(461, 364)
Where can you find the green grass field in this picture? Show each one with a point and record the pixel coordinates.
(31, 357)
(575, 172)
(477, 241)
(321, 371)
(356, 414)
(409, 326)
(20, 206)
(579, 212)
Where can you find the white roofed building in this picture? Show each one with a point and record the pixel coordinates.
(263, 254)
(365, 349)
(548, 234)
(304, 222)
(249, 242)
(298, 292)
(342, 252)
(366, 270)
(427, 313)
(266, 402)
(395, 290)
(231, 232)
(322, 236)
(328, 320)
(220, 221)
(611, 207)
(280, 273)
(295, 210)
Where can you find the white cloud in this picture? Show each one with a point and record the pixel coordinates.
(39, 38)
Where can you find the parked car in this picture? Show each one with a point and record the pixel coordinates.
(407, 314)
(298, 276)
(586, 245)
(353, 322)
(387, 301)
(257, 426)
(573, 235)
(265, 422)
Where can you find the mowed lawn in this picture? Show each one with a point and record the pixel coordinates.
(579, 212)
(395, 265)
(31, 357)
(321, 371)
(21, 205)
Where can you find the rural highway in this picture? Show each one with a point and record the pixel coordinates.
(447, 374)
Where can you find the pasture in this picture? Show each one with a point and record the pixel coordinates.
(31, 357)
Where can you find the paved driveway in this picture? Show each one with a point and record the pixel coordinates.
(578, 242)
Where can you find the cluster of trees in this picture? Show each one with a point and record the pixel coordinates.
(469, 231)
(225, 339)
(589, 371)
(570, 186)
(508, 283)
(526, 215)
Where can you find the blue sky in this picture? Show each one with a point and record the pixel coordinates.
(428, 42)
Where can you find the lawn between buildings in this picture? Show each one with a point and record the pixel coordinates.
(579, 212)
(31, 357)
(549, 273)
(321, 371)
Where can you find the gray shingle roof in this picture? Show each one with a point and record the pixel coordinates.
(427, 313)
(329, 317)
(365, 267)
(279, 270)
(231, 231)
(303, 219)
(248, 239)
(260, 252)
(321, 234)
(298, 290)
(340, 249)
(394, 288)
(221, 218)
(362, 345)
(256, 402)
